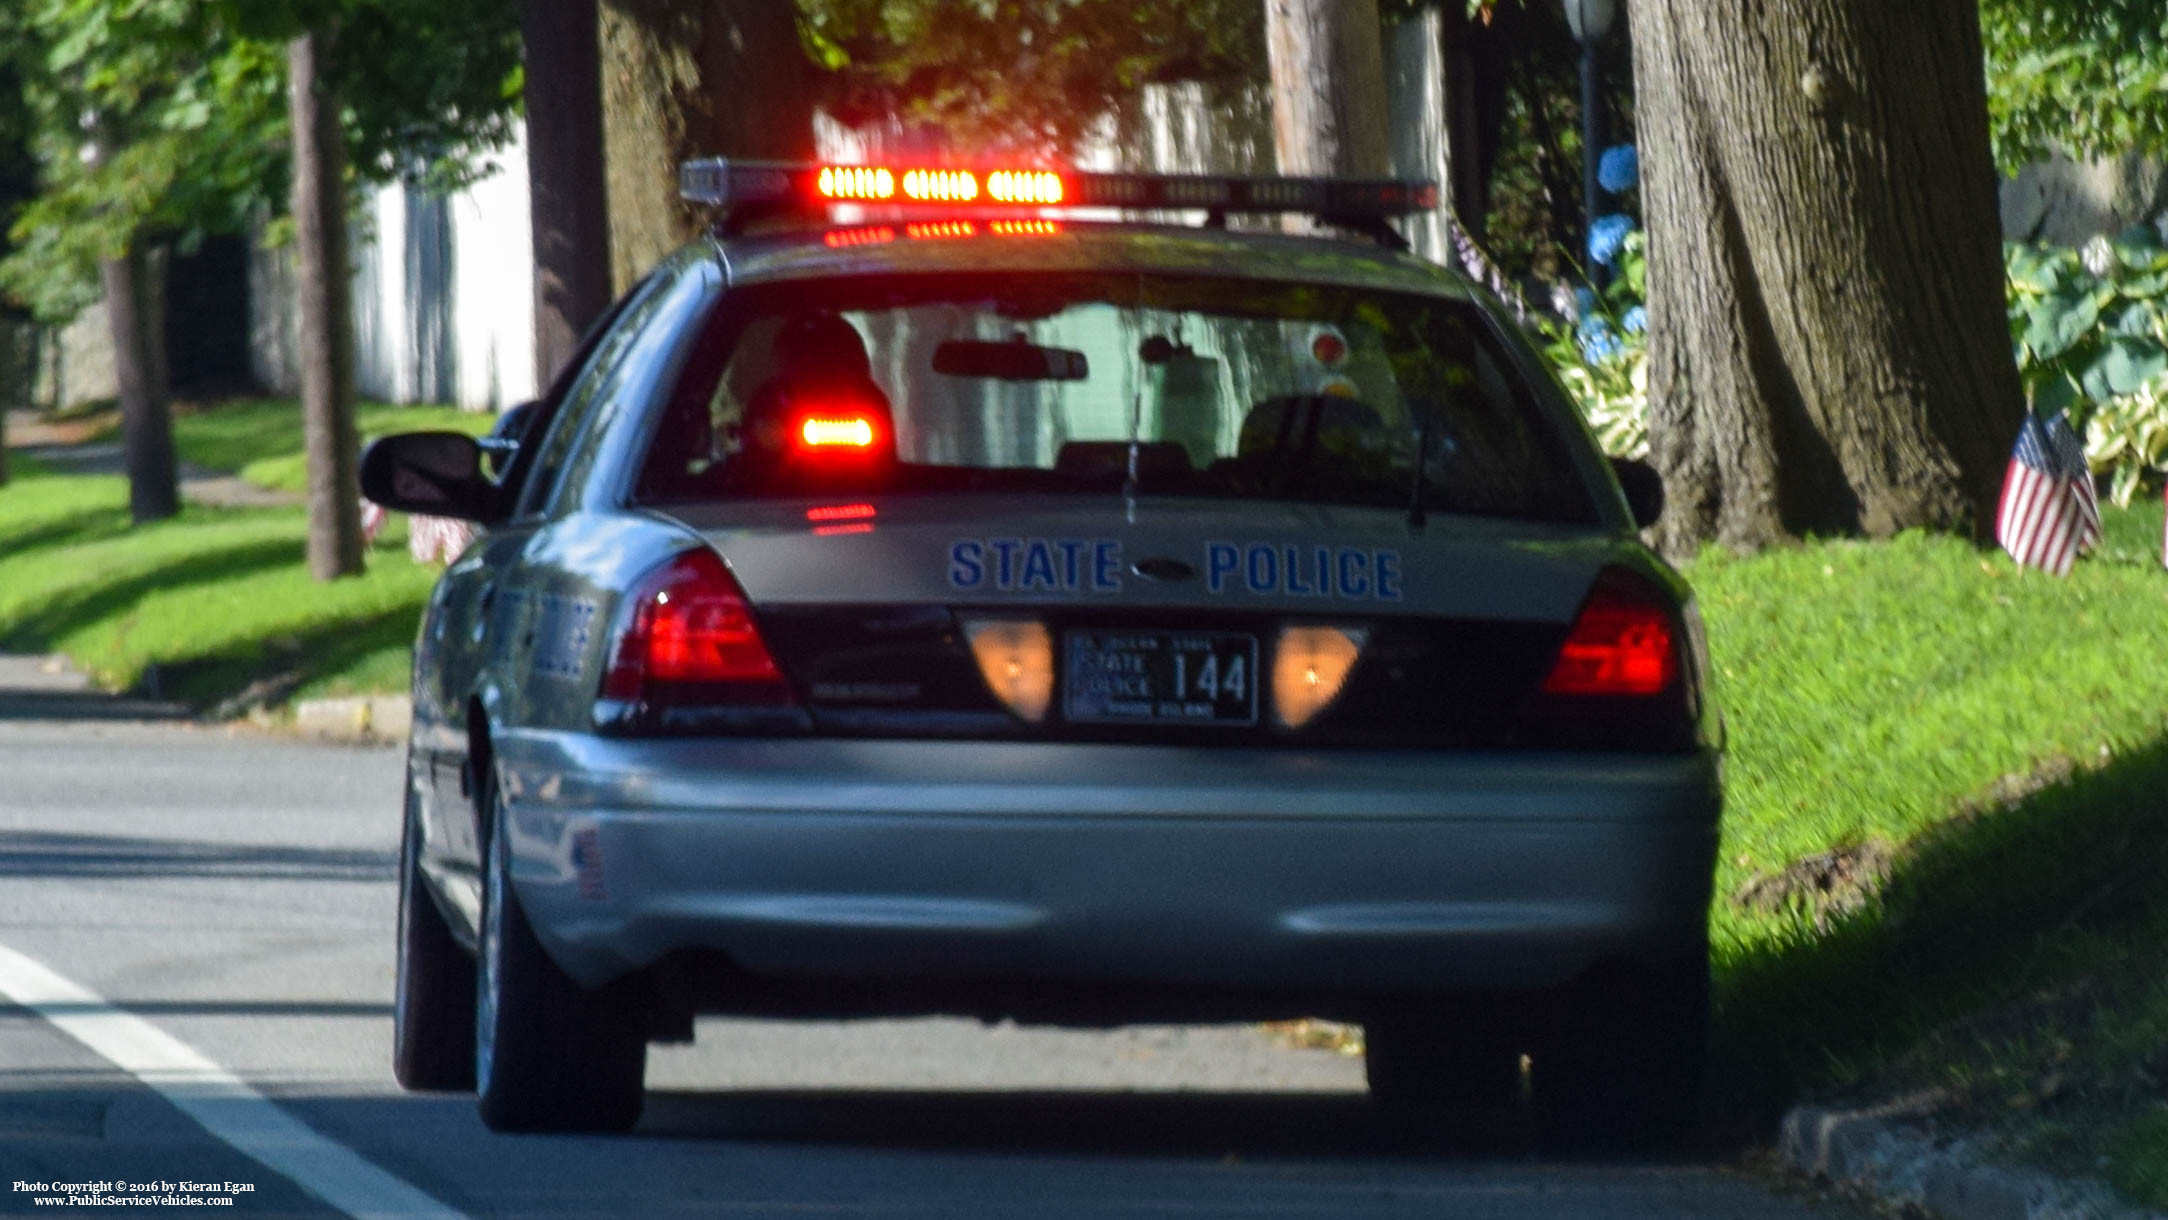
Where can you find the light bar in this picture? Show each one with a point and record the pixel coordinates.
(787, 186)
(855, 432)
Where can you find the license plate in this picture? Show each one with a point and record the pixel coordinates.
(1159, 677)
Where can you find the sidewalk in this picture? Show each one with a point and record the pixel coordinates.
(48, 688)
(63, 446)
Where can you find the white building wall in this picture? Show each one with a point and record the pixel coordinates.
(443, 295)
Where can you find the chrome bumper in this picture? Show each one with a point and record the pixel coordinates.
(853, 859)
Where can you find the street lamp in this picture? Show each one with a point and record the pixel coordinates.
(1591, 21)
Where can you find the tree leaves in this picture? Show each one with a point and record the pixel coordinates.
(184, 102)
(2059, 320)
(2086, 77)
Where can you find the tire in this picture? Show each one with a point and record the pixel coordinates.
(432, 1023)
(1622, 1068)
(549, 1055)
(1445, 1070)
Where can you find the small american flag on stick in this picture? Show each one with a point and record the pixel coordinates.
(2048, 513)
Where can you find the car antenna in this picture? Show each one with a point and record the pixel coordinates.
(1136, 425)
(1422, 469)
(1129, 481)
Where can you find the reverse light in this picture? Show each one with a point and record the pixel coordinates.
(1016, 657)
(1309, 666)
(855, 432)
(691, 639)
(1622, 643)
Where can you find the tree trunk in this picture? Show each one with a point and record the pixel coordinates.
(564, 169)
(14, 380)
(715, 78)
(139, 372)
(327, 329)
(1828, 351)
(1328, 87)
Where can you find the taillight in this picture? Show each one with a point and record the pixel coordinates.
(1624, 642)
(690, 639)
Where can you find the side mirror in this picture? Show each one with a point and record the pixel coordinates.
(1644, 489)
(437, 473)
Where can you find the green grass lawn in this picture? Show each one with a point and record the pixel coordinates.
(212, 601)
(261, 438)
(1973, 762)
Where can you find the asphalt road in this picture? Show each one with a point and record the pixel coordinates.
(196, 934)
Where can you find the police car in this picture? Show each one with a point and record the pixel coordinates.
(922, 596)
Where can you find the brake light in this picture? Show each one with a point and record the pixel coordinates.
(691, 638)
(1624, 642)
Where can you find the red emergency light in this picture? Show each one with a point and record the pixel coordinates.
(837, 431)
(769, 186)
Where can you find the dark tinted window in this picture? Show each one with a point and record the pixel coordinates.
(1100, 384)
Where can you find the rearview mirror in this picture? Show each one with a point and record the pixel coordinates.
(1015, 360)
(1644, 489)
(436, 473)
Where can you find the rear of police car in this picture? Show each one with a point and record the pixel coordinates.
(1100, 622)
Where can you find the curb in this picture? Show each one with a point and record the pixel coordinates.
(1947, 1176)
(360, 719)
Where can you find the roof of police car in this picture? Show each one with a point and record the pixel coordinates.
(804, 253)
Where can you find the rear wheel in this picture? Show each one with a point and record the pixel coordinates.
(432, 1038)
(549, 1055)
(1622, 1068)
(1444, 1069)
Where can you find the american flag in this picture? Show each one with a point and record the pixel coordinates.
(2048, 512)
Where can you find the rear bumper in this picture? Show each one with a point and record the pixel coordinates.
(1059, 864)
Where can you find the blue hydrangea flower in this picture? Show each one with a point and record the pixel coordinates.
(1598, 341)
(1619, 169)
(1635, 321)
(1584, 301)
(1606, 235)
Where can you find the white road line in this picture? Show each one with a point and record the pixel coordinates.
(217, 1099)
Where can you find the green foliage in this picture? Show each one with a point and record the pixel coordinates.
(1021, 76)
(1602, 356)
(2088, 77)
(166, 119)
(2090, 330)
(143, 117)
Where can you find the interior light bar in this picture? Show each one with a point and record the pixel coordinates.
(733, 185)
(855, 432)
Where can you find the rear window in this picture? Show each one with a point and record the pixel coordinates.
(1109, 385)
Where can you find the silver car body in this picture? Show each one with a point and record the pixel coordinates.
(960, 865)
